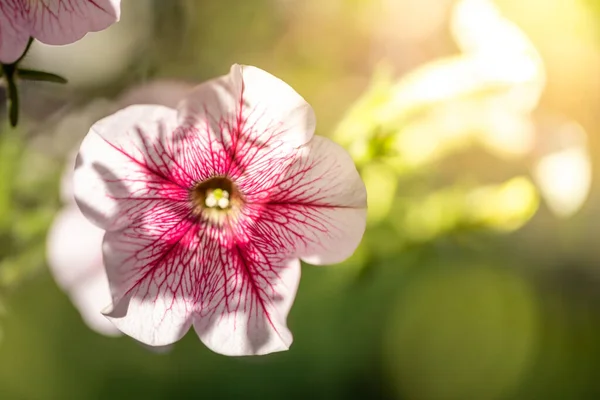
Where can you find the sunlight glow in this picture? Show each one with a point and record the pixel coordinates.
(564, 175)
(487, 93)
(504, 207)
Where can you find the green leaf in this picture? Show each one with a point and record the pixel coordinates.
(32, 75)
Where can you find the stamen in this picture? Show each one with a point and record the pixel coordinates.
(210, 201)
(217, 197)
(223, 202)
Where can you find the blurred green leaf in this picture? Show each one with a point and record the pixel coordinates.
(360, 124)
(381, 182)
(11, 148)
(33, 224)
(17, 267)
(505, 207)
(41, 76)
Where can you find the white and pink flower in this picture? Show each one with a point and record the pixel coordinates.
(209, 208)
(54, 22)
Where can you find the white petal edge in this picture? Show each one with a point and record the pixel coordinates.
(105, 155)
(146, 321)
(240, 334)
(152, 279)
(344, 187)
(266, 104)
(322, 211)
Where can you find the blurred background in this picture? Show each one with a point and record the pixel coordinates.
(474, 125)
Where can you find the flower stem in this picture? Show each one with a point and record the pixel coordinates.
(11, 72)
(8, 71)
(12, 93)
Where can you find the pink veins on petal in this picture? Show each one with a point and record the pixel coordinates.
(54, 22)
(209, 208)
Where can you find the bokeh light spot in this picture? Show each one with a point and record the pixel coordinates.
(462, 333)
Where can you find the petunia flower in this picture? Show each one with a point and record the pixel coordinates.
(54, 22)
(210, 207)
(74, 247)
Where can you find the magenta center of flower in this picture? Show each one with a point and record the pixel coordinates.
(214, 197)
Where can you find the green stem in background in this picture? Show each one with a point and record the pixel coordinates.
(25, 52)
(8, 70)
(11, 72)
(12, 93)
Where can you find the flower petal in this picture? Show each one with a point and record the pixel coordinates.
(246, 297)
(14, 33)
(241, 125)
(59, 22)
(153, 269)
(249, 109)
(125, 166)
(75, 260)
(317, 207)
(165, 275)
